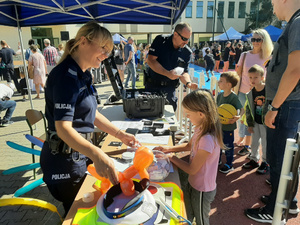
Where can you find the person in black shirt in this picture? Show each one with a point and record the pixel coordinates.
(210, 63)
(255, 100)
(217, 57)
(238, 52)
(167, 52)
(6, 58)
(226, 56)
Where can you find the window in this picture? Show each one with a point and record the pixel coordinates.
(210, 9)
(199, 12)
(221, 9)
(242, 9)
(231, 10)
(188, 10)
(253, 8)
(41, 32)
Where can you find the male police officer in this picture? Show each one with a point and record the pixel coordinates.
(283, 102)
(165, 54)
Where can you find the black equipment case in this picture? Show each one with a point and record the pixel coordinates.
(137, 103)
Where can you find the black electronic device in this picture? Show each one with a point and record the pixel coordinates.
(137, 103)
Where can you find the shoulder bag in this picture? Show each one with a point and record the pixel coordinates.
(30, 72)
(239, 71)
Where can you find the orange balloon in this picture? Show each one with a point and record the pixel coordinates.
(144, 174)
(105, 183)
(143, 158)
(130, 172)
(127, 187)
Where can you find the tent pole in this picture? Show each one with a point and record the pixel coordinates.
(23, 59)
(214, 22)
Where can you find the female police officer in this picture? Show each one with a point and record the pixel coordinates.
(71, 114)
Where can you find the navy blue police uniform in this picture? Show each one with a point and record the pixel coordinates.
(69, 96)
(170, 58)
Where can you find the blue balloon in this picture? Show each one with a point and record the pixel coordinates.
(21, 168)
(28, 187)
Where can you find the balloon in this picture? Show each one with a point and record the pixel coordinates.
(105, 183)
(28, 187)
(29, 201)
(142, 159)
(127, 187)
(35, 140)
(21, 168)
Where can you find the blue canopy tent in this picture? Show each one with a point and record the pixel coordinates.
(118, 38)
(274, 33)
(25, 13)
(230, 34)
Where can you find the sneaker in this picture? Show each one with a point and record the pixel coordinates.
(207, 80)
(263, 168)
(244, 151)
(259, 215)
(6, 123)
(226, 169)
(251, 164)
(293, 207)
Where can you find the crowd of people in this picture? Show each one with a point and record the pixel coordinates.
(264, 90)
(39, 65)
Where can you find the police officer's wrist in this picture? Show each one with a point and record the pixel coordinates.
(187, 83)
(117, 133)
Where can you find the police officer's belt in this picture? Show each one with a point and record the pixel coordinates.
(161, 83)
(57, 145)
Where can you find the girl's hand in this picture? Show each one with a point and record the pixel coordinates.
(164, 149)
(170, 155)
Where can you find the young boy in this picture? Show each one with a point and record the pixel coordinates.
(209, 62)
(227, 81)
(255, 100)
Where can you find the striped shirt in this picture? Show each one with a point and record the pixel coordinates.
(50, 54)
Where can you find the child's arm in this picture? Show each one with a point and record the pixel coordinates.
(236, 118)
(195, 166)
(178, 148)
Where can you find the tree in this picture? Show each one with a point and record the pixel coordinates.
(263, 18)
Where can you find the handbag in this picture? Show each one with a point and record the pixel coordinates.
(119, 59)
(30, 72)
(239, 71)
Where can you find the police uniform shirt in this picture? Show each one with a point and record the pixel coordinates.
(69, 97)
(168, 56)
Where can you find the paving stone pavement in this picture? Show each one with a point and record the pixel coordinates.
(9, 184)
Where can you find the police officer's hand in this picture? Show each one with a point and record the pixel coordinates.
(128, 139)
(172, 75)
(105, 168)
(193, 86)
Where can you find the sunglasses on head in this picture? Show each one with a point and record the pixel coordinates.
(256, 40)
(182, 38)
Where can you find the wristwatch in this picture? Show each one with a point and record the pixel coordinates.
(272, 108)
(187, 83)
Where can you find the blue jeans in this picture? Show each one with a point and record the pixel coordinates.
(10, 105)
(228, 139)
(131, 72)
(286, 127)
(243, 129)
